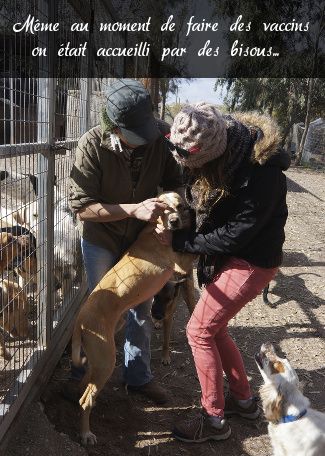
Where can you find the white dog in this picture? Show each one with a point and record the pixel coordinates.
(294, 428)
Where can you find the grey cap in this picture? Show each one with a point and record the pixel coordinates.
(129, 107)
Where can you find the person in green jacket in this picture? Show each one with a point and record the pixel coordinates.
(118, 169)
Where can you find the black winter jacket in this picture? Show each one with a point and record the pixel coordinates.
(247, 224)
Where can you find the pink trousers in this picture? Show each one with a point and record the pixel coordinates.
(213, 349)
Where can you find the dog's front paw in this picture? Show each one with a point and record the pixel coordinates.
(88, 438)
(165, 360)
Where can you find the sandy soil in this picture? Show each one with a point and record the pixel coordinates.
(129, 424)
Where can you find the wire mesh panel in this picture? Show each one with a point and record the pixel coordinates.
(42, 281)
(20, 314)
(23, 216)
(67, 253)
(41, 266)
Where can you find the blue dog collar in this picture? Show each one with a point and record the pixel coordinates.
(291, 418)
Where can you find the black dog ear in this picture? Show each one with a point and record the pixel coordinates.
(34, 181)
(3, 175)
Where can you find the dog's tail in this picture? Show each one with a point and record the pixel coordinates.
(76, 346)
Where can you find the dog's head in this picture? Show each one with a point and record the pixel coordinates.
(6, 239)
(280, 380)
(15, 248)
(176, 216)
(26, 267)
(274, 369)
(164, 299)
(25, 263)
(8, 247)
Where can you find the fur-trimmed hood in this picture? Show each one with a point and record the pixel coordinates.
(268, 142)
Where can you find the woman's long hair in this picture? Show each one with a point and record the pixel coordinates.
(212, 180)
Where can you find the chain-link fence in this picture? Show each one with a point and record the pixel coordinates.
(42, 281)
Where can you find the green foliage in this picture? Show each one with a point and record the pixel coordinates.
(283, 98)
(300, 53)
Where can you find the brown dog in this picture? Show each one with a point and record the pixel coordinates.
(10, 248)
(164, 307)
(14, 245)
(138, 276)
(26, 271)
(13, 313)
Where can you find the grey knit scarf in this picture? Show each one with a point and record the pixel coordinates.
(240, 141)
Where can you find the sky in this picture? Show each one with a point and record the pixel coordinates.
(200, 89)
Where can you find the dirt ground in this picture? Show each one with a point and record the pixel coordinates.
(129, 424)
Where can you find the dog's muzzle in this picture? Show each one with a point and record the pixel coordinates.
(174, 222)
(259, 359)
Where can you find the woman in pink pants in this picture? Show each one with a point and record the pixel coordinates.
(237, 190)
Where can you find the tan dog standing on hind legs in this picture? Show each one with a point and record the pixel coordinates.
(138, 276)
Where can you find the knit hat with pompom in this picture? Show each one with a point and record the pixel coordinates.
(202, 130)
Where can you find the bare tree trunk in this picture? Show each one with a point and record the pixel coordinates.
(307, 120)
(286, 133)
(290, 120)
(152, 85)
(310, 91)
(154, 92)
(164, 87)
(163, 107)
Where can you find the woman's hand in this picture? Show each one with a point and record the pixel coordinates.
(163, 235)
(149, 210)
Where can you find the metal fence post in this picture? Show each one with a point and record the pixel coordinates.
(45, 171)
(85, 92)
(85, 88)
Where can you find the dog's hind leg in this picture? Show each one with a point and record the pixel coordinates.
(167, 325)
(188, 291)
(101, 361)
